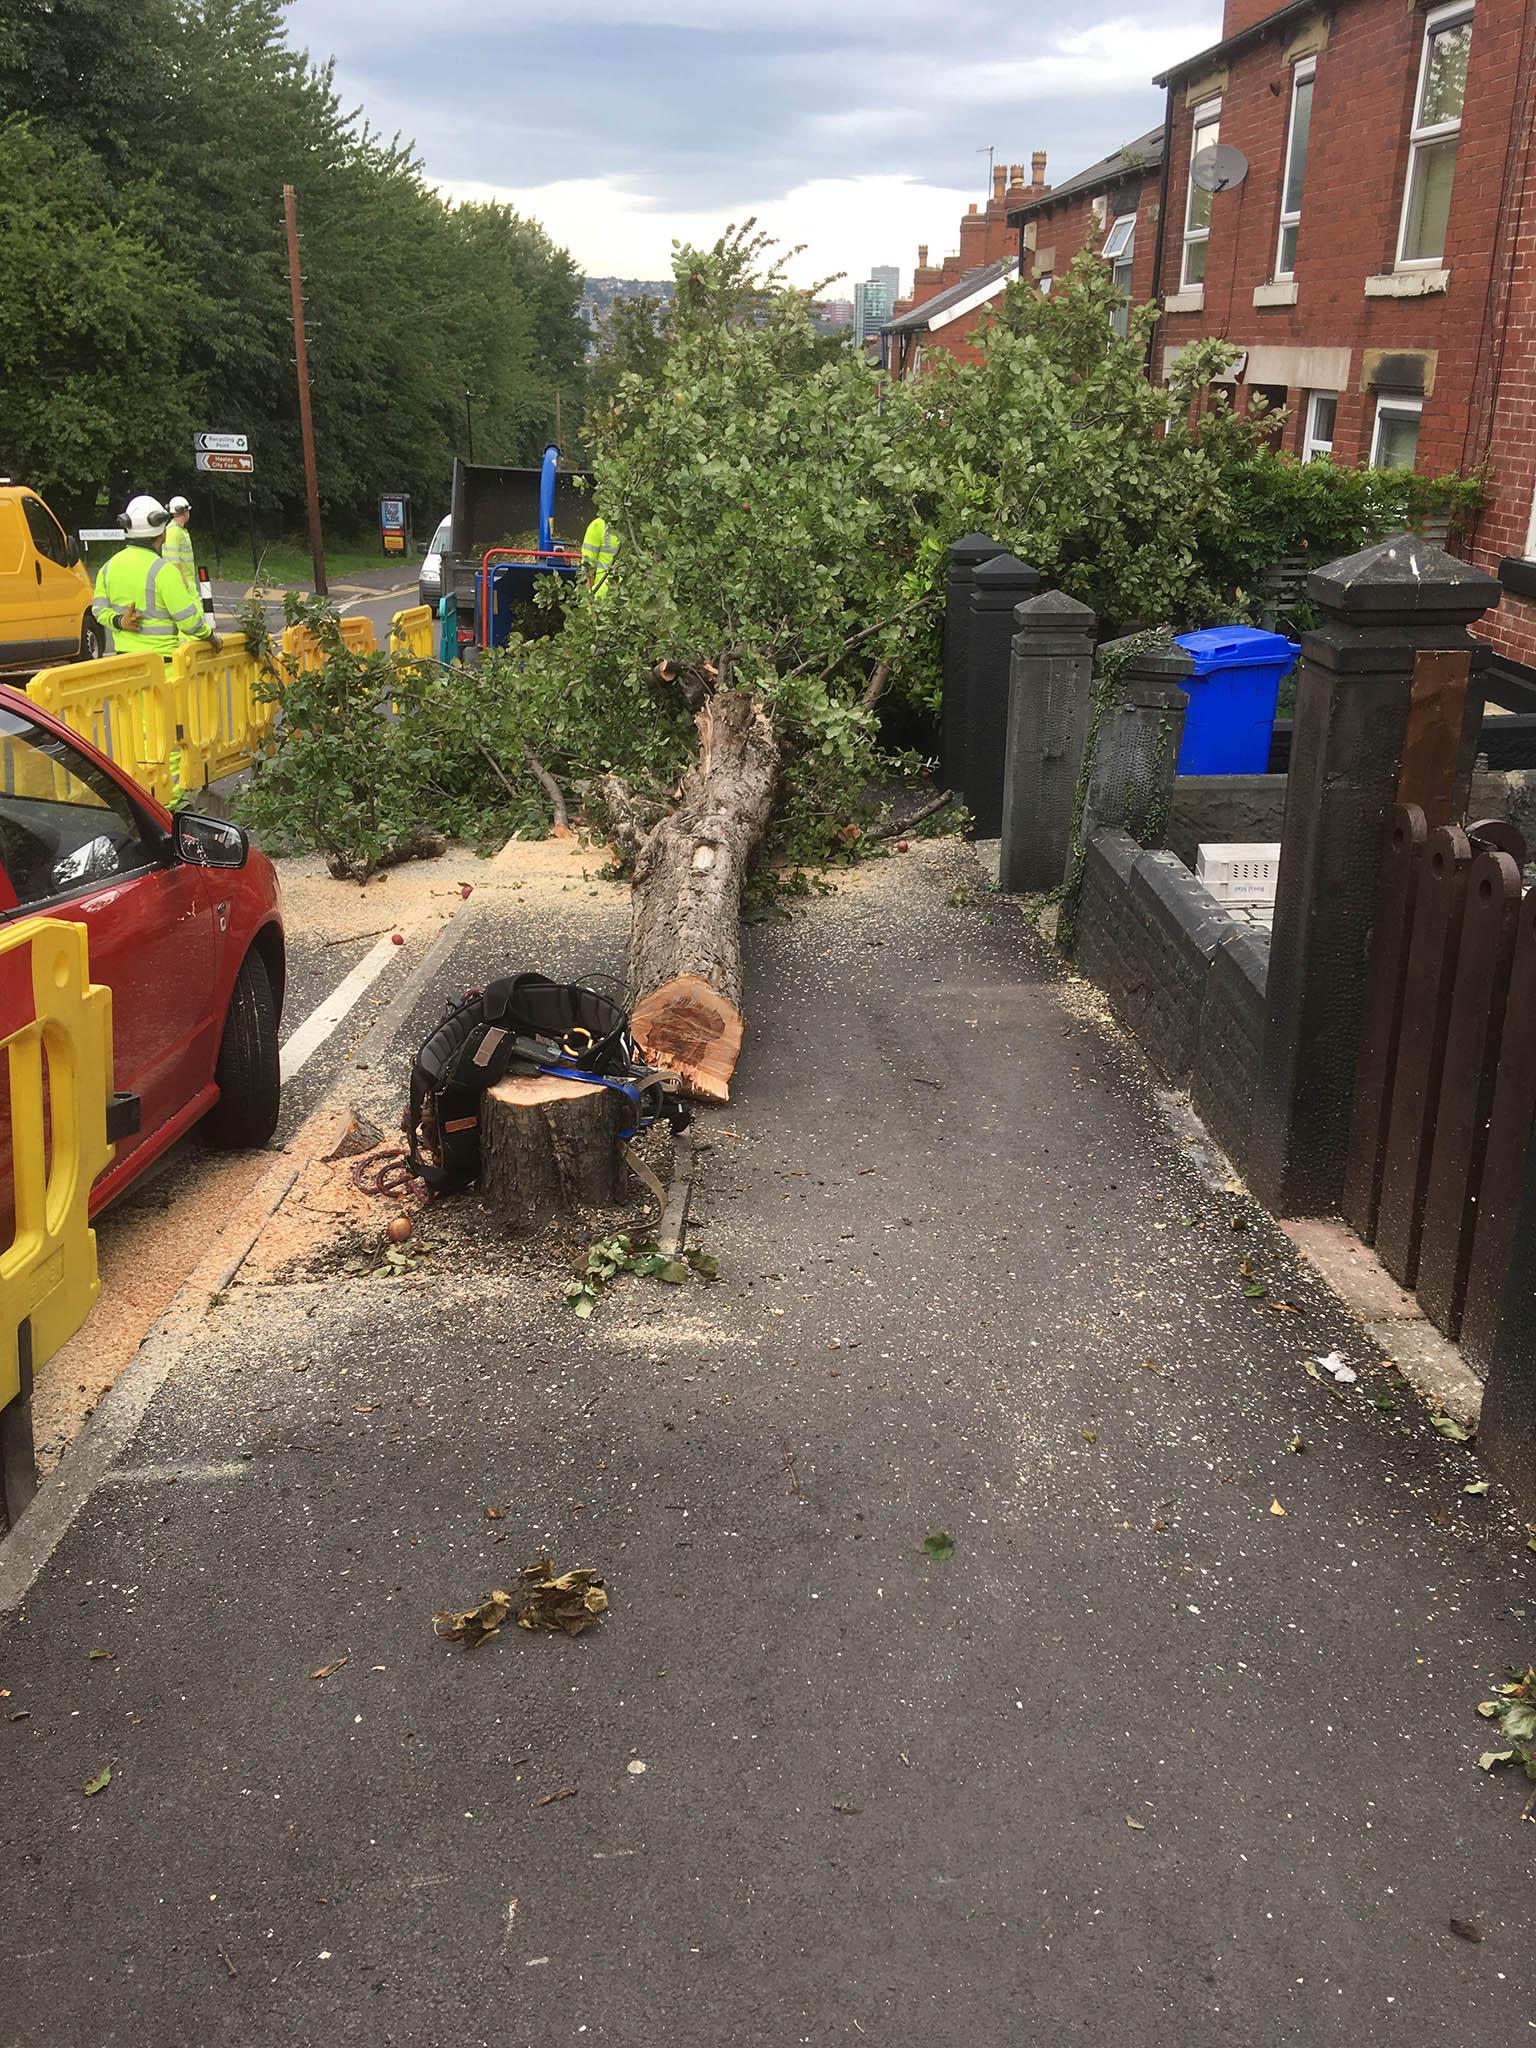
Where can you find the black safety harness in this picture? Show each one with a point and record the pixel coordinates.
(526, 1024)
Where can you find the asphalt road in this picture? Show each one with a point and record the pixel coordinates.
(378, 597)
(1176, 1747)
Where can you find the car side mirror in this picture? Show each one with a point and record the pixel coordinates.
(71, 551)
(210, 842)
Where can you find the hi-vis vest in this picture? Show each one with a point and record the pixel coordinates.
(136, 575)
(178, 549)
(599, 545)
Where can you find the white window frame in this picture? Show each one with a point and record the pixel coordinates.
(1530, 531)
(1440, 131)
(1313, 444)
(1119, 252)
(1303, 74)
(1384, 406)
(1207, 112)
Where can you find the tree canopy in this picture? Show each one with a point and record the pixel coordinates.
(142, 158)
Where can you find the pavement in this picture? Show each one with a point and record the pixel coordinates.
(1176, 1745)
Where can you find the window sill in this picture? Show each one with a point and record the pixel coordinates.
(1407, 284)
(1517, 573)
(1285, 293)
(1191, 301)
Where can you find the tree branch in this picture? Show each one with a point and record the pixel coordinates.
(893, 830)
(551, 789)
(877, 685)
(928, 597)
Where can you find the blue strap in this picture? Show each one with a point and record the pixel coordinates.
(627, 1088)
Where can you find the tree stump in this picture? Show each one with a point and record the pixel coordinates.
(548, 1147)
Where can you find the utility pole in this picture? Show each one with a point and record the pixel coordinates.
(557, 416)
(469, 423)
(301, 365)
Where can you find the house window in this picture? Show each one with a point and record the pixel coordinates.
(1432, 140)
(1295, 165)
(1197, 209)
(1119, 252)
(1322, 415)
(1530, 532)
(1395, 442)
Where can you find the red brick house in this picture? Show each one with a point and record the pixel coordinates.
(1376, 266)
(1111, 207)
(948, 298)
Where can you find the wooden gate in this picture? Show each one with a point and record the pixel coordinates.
(1445, 1091)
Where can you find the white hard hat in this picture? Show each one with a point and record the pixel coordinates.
(145, 518)
(180, 505)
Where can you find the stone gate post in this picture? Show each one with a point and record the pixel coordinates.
(1384, 698)
(1050, 703)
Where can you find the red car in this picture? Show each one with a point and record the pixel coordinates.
(185, 928)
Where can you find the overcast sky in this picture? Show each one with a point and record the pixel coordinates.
(854, 128)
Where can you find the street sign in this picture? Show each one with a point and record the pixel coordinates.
(395, 523)
(222, 444)
(240, 465)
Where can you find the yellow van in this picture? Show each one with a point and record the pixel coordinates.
(45, 594)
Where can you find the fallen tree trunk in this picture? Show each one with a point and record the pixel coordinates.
(685, 933)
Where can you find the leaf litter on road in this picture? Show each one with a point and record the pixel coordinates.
(570, 1601)
(471, 1625)
(99, 1783)
(939, 1545)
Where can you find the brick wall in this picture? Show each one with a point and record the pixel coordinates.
(1367, 55)
(1504, 527)
(984, 237)
(1081, 220)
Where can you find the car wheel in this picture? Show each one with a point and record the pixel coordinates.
(93, 639)
(18, 1466)
(250, 1088)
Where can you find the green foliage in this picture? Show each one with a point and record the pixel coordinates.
(1146, 503)
(377, 749)
(601, 1264)
(769, 520)
(146, 272)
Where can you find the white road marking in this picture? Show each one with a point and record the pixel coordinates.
(320, 1023)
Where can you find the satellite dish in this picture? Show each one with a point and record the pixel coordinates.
(1218, 168)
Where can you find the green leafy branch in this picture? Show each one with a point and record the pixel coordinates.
(604, 1261)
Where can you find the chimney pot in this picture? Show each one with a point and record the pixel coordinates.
(1015, 176)
(1037, 165)
(972, 207)
(922, 255)
(999, 178)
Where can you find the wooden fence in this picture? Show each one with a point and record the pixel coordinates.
(1445, 1091)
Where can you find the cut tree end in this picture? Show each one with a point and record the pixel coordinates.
(692, 1031)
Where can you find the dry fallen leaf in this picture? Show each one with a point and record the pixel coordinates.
(1467, 1929)
(1139, 1825)
(473, 1624)
(493, 1514)
(549, 1798)
(571, 1601)
(325, 1670)
(1275, 1508)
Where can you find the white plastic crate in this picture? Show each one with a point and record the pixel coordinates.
(1235, 872)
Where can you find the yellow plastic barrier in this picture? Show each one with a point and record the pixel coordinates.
(48, 1277)
(411, 632)
(302, 651)
(225, 720)
(124, 704)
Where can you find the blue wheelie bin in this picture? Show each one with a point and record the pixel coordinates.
(1232, 695)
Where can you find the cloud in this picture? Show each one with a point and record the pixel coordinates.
(614, 229)
(861, 130)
